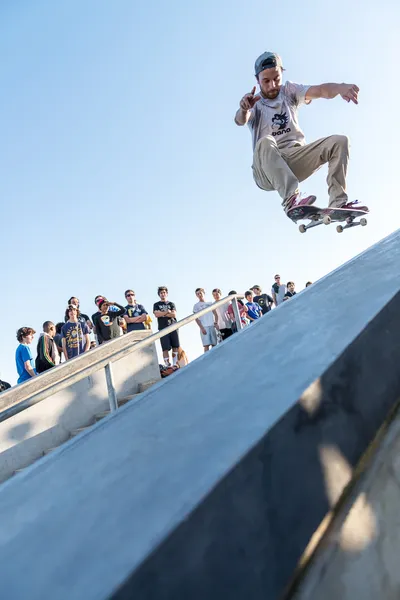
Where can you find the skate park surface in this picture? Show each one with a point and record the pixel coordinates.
(216, 482)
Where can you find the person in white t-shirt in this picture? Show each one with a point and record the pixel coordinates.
(208, 323)
(281, 158)
(224, 323)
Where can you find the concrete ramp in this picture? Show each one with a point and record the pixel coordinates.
(214, 483)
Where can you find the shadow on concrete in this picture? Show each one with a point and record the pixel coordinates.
(245, 538)
(20, 432)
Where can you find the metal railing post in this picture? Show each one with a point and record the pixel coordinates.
(112, 396)
(236, 312)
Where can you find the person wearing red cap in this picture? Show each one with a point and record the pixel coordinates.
(281, 157)
(104, 319)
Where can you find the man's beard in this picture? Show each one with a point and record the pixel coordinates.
(272, 95)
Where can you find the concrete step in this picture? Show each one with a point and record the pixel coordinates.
(18, 471)
(121, 401)
(101, 415)
(79, 430)
(125, 399)
(49, 450)
(142, 388)
(147, 384)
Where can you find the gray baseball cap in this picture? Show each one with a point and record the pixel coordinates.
(267, 60)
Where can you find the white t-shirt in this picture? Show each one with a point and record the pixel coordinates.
(223, 320)
(278, 117)
(208, 319)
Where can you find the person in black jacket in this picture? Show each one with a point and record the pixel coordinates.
(103, 320)
(290, 291)
(47, 351)
(4, 385)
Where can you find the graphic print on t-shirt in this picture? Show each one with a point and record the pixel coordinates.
(74, 334)
(71, 336)
(264, 302)
(260, 300)
(278, 117)
(106, 320)
(164, 307)
(279, 122)
(135, 310)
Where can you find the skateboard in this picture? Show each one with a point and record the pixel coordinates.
(326, 216)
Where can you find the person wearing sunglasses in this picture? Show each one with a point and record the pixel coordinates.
(135, 314)
(278, 290)
(282, 159)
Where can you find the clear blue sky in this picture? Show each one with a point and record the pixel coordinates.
(121, 165)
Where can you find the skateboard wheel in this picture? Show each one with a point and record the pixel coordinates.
(302, 228)
(339, 229)
(326, 220)
(363, 222)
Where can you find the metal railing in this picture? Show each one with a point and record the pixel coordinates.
(39, 388)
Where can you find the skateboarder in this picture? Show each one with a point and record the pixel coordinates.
(281, 157)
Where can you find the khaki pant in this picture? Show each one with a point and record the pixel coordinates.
(283, 169)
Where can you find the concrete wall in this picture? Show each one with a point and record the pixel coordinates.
(359, 555)
(25, 436)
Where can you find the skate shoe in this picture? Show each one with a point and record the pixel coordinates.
(296, 200)
(354, 206)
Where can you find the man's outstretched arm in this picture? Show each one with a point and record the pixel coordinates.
(348, 91)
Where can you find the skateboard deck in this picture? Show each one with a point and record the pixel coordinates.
(325, 216)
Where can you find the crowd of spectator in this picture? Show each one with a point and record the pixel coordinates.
(78, 333)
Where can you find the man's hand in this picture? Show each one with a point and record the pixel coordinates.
(349, 92)
(249, 100)
(203, 331)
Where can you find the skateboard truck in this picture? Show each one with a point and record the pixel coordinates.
(324, 221)
(351, 223)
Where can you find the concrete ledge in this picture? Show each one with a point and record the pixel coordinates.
(212, 484)
(245, 538)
